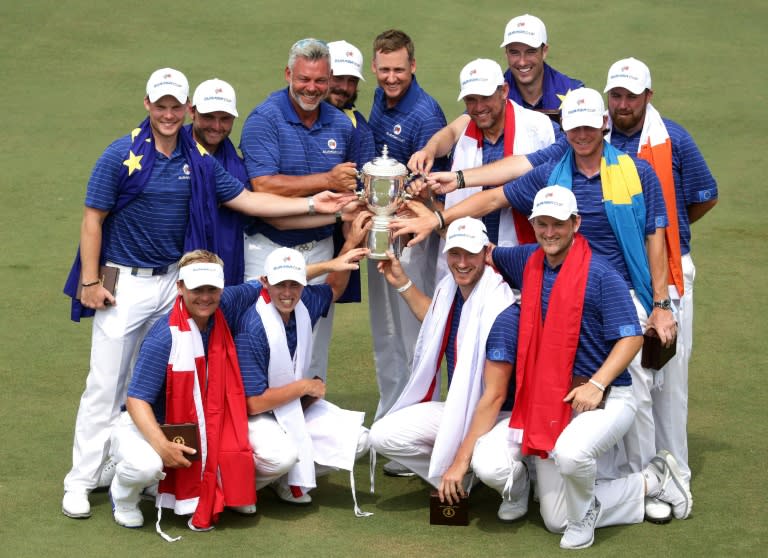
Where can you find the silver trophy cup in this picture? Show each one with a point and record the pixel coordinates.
(384, 181)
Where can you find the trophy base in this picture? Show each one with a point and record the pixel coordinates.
(380, 240)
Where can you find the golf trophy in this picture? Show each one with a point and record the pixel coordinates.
(384, 182)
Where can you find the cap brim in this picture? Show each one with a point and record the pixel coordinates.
(482, 91)
(153, 98)
(279, 277)
(207, 108)
(582, 120)
(629, 85)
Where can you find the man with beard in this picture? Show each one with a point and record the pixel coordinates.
(294, 144)
(532, 82)
(403, 117)
(346, 73)
(213, 112)
(690, 191)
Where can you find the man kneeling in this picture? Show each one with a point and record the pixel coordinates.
(290, 423)
(473, 322)
(187, 372)
(574, 402)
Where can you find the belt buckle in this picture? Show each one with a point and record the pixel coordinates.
(142, 271)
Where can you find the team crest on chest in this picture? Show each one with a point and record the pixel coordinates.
(397, 129)
(333, 147)
(185, 169)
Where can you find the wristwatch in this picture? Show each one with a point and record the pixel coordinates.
(665, 304)
(311, 208)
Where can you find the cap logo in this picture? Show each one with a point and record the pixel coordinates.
(349, 53)
(167, 76)
(287, 259)
(218, 90)
(581, 101)
(462, 227)
(549, 195)
(521, 24)
(625, 68)
(472, 72)
(332, 143)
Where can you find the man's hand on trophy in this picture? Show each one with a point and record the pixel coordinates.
(342, 178)
(421, 223)
(417, 187)
(442, 182)
(392, 270)
(356, 230)
(348, 261)
(352, 210)
(330, 202)
(421, 162)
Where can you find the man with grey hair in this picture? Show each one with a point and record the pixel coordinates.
(294, 144)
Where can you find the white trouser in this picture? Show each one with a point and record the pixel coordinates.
(275, 453)
(393, 326)
(116, 335)
(273, 450)
(670, 401)
(568, 481)
(257, 248)
(639, 442)
(138, 465)
(408, 436)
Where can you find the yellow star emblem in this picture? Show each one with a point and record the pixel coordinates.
(135, 132)
(133, 162)
(562, 98)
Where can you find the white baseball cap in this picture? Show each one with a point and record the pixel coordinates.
(198, 274)
(167, 81)
(467, 233)
(629, 73)
(285, 264)
(582, 107)
(525, 29)
(346, 59)
(480, 77)
(554, 201)
(215, 95)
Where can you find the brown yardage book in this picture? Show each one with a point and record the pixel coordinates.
(185, 434)
(655, 355)
(108, 277)
(443, 513)
(577, 381)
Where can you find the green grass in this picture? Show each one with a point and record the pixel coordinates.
(73, 78)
